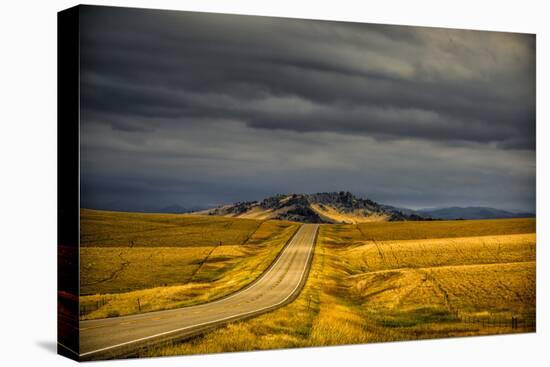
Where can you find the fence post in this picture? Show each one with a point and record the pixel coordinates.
(139, 305)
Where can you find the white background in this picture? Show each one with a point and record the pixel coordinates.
(28, 182)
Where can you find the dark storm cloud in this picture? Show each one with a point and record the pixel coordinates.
(311, 76)
(148, 76)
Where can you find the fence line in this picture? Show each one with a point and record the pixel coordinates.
(513, 322)
(91, 307)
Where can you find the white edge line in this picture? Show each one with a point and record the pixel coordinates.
(213, 321)
(257, 281)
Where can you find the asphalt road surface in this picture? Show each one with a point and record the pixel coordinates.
(279, 285)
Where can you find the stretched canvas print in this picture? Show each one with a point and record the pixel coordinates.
(234, 183)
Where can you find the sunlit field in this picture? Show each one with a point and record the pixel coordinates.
(132, 263)
(376, 282)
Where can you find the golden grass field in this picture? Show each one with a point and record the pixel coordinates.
(131, 263)
(375, 282)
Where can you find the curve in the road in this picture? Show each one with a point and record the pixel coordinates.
(123, 336)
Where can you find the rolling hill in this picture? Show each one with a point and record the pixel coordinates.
(325, 207)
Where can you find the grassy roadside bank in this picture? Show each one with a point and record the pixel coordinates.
(213, 257)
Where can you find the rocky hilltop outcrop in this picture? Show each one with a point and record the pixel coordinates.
(323, 207)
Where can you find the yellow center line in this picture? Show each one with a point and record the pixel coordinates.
(92, 327)
(127, 322)
(122, 323)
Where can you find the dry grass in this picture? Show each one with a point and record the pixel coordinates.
(123, 269)
(126, 280)
(437, 229)
(335, 216)
(436, 287)
(494, 290)
(119, 229)
(383, 255)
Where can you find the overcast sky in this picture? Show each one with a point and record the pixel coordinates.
(201, 109)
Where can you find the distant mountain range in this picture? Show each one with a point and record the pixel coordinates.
(471, 212)
(325, 207)
(175, 209)
(344, 207)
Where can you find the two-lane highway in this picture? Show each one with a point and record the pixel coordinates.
(280, 284)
